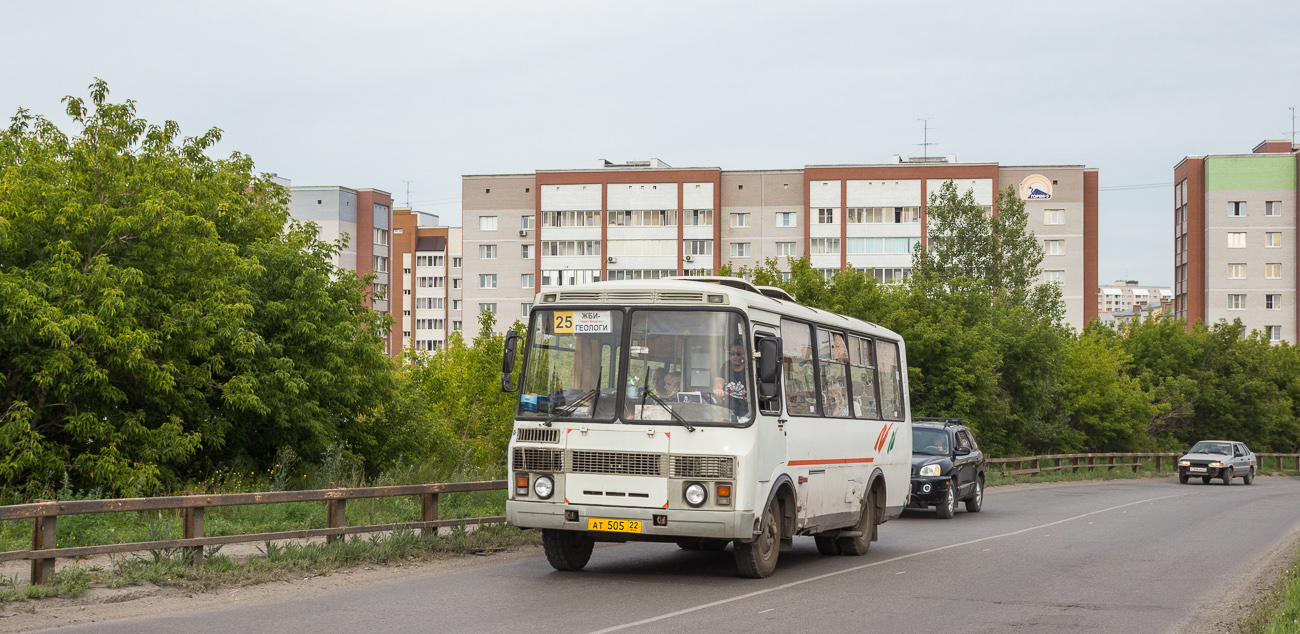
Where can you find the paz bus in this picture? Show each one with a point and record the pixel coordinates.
(704, 411)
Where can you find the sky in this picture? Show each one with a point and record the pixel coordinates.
(376, 94)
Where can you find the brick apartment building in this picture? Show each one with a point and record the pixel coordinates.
(1235, 250)
(647, 220)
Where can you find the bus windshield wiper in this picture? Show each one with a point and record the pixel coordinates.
(565, 410)
(646, 392)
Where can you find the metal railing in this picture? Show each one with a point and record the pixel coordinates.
(45, 513)
(1090, 462)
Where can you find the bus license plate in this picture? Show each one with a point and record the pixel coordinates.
(616, 526)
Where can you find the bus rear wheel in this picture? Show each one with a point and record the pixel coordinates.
(757, 559)
(860, 543)
(567, 550)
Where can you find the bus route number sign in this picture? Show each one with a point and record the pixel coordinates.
(583, 322)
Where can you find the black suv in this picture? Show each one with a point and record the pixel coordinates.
(947, 466)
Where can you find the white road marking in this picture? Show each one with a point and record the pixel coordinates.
(767, 610)
(785, 586)
(900, 572)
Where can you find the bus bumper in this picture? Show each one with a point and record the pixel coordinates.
(680, 522)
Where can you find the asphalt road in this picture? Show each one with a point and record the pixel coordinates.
(1131, 556)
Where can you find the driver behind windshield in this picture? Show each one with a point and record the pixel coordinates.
(734, 384)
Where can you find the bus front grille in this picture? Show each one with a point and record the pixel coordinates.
(704, 467)
(537, 434)
(615, 463)
(529, 459)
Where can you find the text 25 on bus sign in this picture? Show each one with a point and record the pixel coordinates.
(582, 322)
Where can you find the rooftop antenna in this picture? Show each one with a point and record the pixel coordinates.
(1292, 109)
(408, 194)
(925, 138)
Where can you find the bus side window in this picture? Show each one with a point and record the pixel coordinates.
(772, 405)
(891, 380)
(798, 369)
(833, 361)
(862, 359)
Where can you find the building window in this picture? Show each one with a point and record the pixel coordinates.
(700, 218)
(455, 325)
(740, 220)
(897, 246)
(455, 263)
(570, 247)
(487, 251)
(1236, 271)
(786, 249)
(1053, 277)
(526, 280)
(526, 307)
(571, 219)
(487, 308)
(1054, 247)
(891, 276)
(487, 223)
(380, 291)
(643, 218)
(641, 274)
(526, 251)
(428, 260)
(825, 246)
(406, 313)
(1273, 208)
(641, 247)
(1273, 271)
(406, 291)
(825, 216)
(1273, 239)
(1273, 302)
(455, 282)
(864, 215)
(406, 333)
(429, 281)
(740, 249)
(786, 219)
(406, 271)
(1236, 239)
(487, 280)
(1053, 216)
(525, 222)
(904, 215)
(429, 324)
(1236, 302)
(1237, 208)
(381, 236)
(381, 263)
(423, 303)
(455, 304)
(1274, 333)
(698, 247)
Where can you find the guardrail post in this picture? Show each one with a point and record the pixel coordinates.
(43, 537)
(428, 512)
(1112, 464)
(192, 527)
(1137, 463)
(1076, 464)
(1092, 464)
(1158, 464)
(335, 516)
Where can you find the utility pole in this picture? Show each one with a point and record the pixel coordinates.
(925, 138)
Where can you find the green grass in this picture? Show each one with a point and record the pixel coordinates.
(1279, 611)
(1102, 472)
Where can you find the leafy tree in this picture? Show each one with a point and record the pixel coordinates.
(1107, 408)
(157, 314)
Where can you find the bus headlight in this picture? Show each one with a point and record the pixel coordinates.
(544, 486)
(930, 470)
(695, 494)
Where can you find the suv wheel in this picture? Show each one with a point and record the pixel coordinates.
(1250, 476)
(1227, 477)
(976, 500)
(945, 508)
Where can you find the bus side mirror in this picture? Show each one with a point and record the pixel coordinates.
(508, 361)
(769, 366)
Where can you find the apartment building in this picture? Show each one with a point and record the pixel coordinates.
(431, 262)
(364, 218)
(1127, 295)
(647, 220)
(1235, 253)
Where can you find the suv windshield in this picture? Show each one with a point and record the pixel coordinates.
(572, 365)
(931, 442)
(1212, 447)
(688, 365)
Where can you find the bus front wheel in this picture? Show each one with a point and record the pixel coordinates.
(757, 559)
(567, 550)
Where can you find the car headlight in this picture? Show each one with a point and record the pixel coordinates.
(544, 486)
(1184, 463)
(930, 470)
(1216, 464)
(695, 494)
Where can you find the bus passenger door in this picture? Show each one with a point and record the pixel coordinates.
(771, 425)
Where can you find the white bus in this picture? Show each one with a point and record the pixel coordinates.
(705, 411)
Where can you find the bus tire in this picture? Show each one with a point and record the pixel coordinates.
(861, 543)
(567, 550)
(827, 545)
(757, 559)
(710, 545)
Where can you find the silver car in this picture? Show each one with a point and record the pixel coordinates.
(1224, 459)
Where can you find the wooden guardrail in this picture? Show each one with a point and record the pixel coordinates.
(45, 513)
(1076, 461)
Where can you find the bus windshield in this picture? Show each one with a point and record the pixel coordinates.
(688, 366)
(572, 365)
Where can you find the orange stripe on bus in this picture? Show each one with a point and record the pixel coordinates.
(795, 463)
